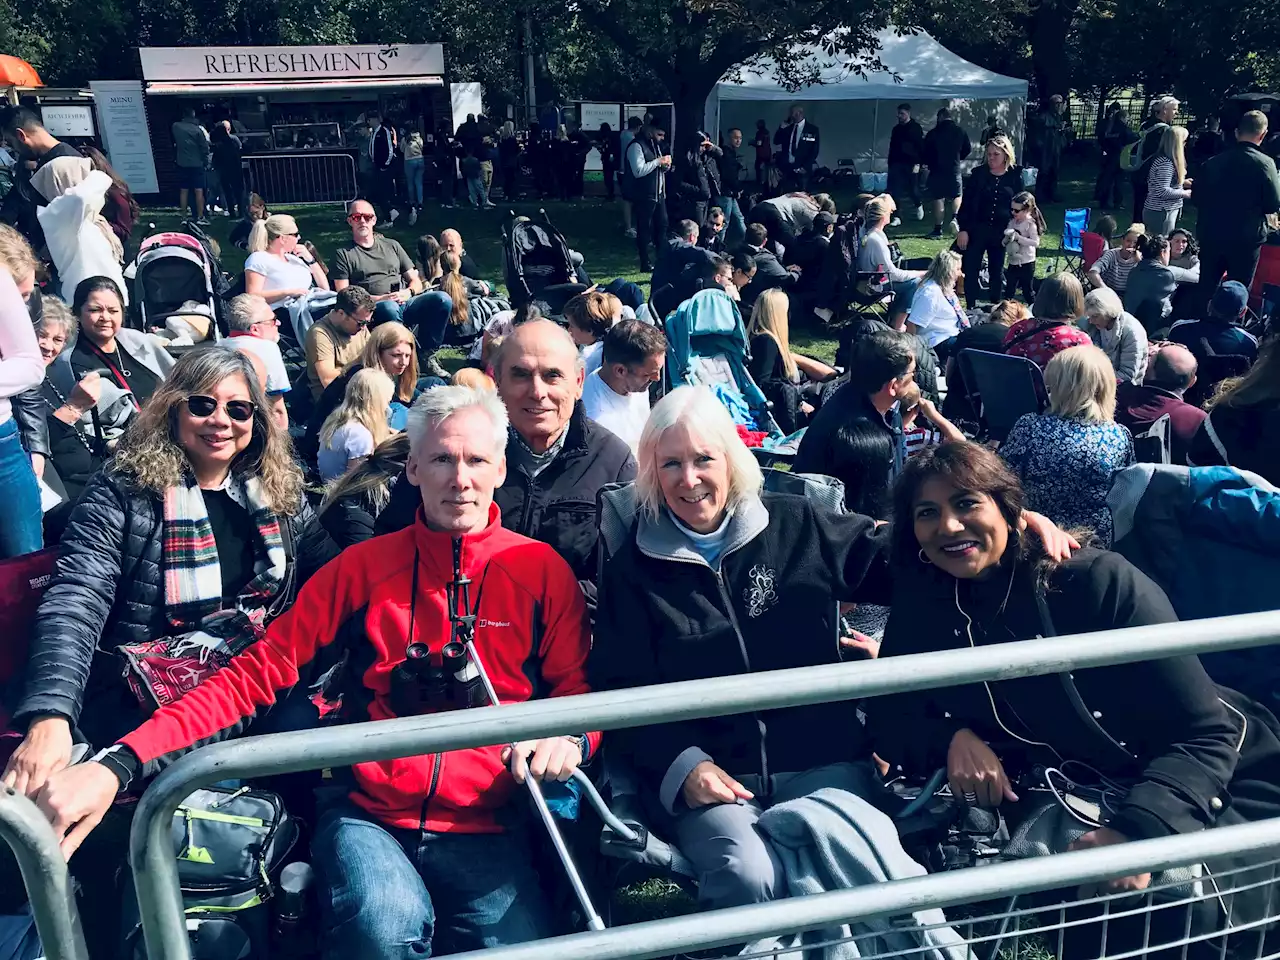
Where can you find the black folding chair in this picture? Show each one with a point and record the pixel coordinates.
(1001, 389)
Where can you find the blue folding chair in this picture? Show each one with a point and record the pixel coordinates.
(1075, 222)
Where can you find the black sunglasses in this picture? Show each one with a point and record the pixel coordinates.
(240, 411)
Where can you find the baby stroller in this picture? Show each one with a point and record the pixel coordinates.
(537, 263)
(175, 275)
(707, 345)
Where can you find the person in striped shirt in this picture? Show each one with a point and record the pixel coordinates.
(1168, 186)
(1112, 268)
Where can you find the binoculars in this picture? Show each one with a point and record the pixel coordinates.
(427, 683)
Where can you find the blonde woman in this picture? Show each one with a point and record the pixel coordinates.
(1243, 428)
(1066, 456)
(988, 204)
(1168, 186)
(359, 424)
(874, 257)
(278, 267)
(790, 381)
(454, 284)
(936, 313)
(352, 502)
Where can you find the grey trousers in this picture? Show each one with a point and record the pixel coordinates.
(736, 864)
(1160, 222)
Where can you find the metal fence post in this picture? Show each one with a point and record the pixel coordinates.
(44, 874)
(155, 868)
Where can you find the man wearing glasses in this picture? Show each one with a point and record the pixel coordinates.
(255, 330)
(382, 267)
(338, 338)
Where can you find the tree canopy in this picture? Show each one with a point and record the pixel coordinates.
(645, 50)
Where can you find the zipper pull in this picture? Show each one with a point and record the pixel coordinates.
(227, 799)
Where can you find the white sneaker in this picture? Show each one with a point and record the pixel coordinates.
(413, 216)
(395, 215)
(919, 213)
(895, 222)
(631, 233)
(953, 227)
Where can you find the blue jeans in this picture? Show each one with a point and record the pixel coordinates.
(904, 292)
(737, 224)
(392, 894)
(427, 315)
(21, 520)
(475, 192)
(413, 171)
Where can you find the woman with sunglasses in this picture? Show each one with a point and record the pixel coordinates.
(202, 461)
(279, 268)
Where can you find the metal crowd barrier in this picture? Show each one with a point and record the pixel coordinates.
(44, 874)
(155, 868)
(301, 178)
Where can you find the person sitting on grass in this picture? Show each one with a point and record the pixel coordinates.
(358, 425)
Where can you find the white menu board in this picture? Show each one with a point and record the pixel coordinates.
(122, 118)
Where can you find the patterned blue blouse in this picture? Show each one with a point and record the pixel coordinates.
(1066, 468)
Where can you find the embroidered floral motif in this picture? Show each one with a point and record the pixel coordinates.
(760, 594)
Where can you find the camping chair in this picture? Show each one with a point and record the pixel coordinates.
(1155, 444)
(1092, 246)
(1001, 389)
(1075, 222)
(871, 295)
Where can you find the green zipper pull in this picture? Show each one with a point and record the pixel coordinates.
(191, 853)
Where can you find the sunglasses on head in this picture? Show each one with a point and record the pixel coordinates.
(363, 217)
(240, 411)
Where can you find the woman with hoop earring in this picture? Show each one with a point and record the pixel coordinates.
(1166, 750)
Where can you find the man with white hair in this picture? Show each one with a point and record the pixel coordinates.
(427, 854)
(557, 458)
(255, 330)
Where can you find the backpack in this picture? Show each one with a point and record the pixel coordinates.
(1131, 158)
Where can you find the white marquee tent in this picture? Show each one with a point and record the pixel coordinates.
(856, 113)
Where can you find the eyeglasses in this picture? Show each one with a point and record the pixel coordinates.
(269, 322)
(363, 217)
(1017, 209)
(241, 411)
(294, 234)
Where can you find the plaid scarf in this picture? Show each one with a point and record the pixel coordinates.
(192, 574)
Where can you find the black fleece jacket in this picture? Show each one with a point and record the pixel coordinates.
(108, 590)
(769, 606)
(1167, 713)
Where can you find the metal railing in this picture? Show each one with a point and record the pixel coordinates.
(155, 867)
(44, 874)
(301, 178)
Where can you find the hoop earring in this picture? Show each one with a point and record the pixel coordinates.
(924, 559)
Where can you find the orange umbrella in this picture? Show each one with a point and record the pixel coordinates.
(18, 73)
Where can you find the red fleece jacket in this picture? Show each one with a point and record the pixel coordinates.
(532, 633)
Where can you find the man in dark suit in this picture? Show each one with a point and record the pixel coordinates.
(798, 143)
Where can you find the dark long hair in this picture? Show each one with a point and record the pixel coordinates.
(100, 162)
(966, 466)
(861, 457)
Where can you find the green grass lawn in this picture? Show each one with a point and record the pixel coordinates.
(594, 227)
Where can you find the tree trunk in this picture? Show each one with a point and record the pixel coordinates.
(689, 98)
(1050, 26)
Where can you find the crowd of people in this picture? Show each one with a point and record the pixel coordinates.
(314, 522)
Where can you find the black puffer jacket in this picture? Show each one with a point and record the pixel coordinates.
(558, 506)
(108, 590)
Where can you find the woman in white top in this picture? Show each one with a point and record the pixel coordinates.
(278, 268)
(1168, 186)
(358, 425)
(21, 368)
(874, 256)
(936, 313)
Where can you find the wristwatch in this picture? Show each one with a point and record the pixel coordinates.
(584, 746)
